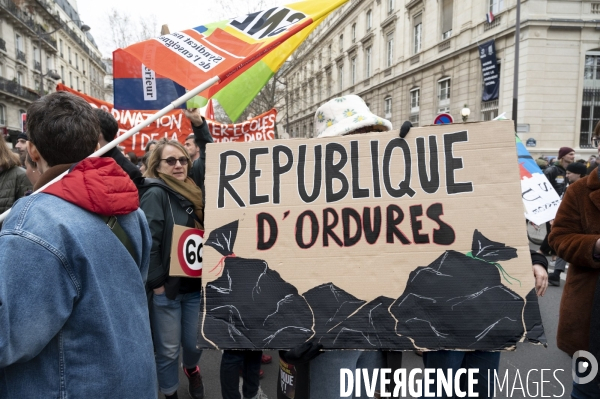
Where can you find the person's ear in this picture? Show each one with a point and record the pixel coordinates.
(34, 154)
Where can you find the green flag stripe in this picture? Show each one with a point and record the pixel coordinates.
(237, 95)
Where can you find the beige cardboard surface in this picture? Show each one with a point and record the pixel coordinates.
(448, 269)
(494, 207)
(186, 252)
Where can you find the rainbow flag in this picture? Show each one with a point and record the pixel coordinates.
(244, 52)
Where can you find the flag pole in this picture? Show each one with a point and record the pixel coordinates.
(134, 130)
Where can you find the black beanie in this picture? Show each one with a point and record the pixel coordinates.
(22, 136)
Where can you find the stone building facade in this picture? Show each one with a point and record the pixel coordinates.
(411, 60)
(36, 38)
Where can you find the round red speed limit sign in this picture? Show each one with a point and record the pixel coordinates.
(189, 251)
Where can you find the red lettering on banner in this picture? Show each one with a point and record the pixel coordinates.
(172, 126)
(175, 126)
(259, 128)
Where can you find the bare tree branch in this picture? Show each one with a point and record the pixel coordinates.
(125, 31)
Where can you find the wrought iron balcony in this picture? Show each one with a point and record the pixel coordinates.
(83, 45)
(21, 56)
(27, 20)
(16, 89)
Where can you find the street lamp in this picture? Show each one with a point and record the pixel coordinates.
(465, 112)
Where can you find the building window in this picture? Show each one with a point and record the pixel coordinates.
(489, 110)
(20, 81)
(304, 98)
(76, 60)
(390, 5)
(341, 44)
(2, 114)
(329, 53)
(77, 82)
(414, 119)
(329, 83)
(60, 47)
(417, 33)
(319, 91)
(319, 61)
(390, 49)
(368, 52)
(341, 78)
(590, 107)
(444, 92)
(311, 130)
(414, 100)
(69, 54)
(353, 70)
(447, 6)
(387, 106)
(369, 20)
(496, 6)
(84, 86)
(19, 42)
(62, 73)
(304, 131)
(353, 32)
(21, 119)
(71, 79)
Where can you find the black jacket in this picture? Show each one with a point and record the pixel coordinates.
(198, 169)
(162, 207)
(538, 259)
(124, 163)
(557, 175)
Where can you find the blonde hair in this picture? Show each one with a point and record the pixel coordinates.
(156, 156)
(8, 159)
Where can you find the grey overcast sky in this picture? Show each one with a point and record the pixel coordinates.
(178, 14)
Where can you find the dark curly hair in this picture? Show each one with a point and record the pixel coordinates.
(63, 127)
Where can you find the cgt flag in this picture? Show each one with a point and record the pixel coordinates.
(244, 52)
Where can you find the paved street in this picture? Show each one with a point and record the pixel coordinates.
(526, 357)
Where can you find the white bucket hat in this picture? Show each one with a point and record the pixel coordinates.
(343, 115)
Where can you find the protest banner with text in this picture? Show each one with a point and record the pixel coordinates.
(260, 128)
(174, 125)
(368, 241)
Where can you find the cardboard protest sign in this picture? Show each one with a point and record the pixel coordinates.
(174, 125)
(368, 241)
(186, 252)
(540, 199)
(259, 128)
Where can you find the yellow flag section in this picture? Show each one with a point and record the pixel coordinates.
(368, 241)
(233, 49)
(237, 95)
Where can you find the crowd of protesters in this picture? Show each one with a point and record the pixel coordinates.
(92, 310)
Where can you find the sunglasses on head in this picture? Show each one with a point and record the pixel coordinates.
(172, 161)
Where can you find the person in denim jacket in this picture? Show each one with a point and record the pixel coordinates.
(73, 313)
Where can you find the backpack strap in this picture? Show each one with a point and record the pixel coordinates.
(115, 227)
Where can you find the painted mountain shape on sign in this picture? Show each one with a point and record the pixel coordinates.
(459, 301)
